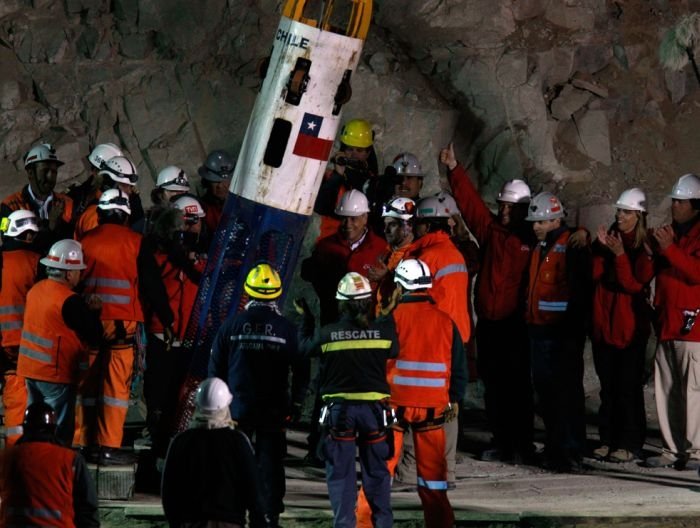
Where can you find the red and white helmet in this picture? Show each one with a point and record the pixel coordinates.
(632, 200)
(403, 208)
(514, 191)
(545, 206)
(190, 207)
(103, 153)
(121, 170)
(213, 395)
(43, 152)
(173, 178)
(65, 254)
(20, 221)
(406, 164)
(113, 199)
(353, 286)
(352, 203)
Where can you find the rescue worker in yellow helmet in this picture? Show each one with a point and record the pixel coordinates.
(354, 166)
(254, 352)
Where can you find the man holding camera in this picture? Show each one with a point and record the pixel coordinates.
(677, 304)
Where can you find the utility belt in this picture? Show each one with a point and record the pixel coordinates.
(383, 412)
(431, 421)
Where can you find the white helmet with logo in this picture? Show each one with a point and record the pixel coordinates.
(435, 207)
(352, 203)
(102, 153)
(190, 207)
(213, 395)
(413, 274)
(353, 286)
(402, 208)
(632, 200)
(20, 221)
(686, 188)
(121, 170)
(514, 191)
(406, 164)
(448, 202)
(545, 206)
(43, 152)
(173, 178)
(113, 199)
(65, 254)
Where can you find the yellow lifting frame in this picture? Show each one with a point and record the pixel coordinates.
(358, 23)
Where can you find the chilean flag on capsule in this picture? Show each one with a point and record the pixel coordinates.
(308, 144)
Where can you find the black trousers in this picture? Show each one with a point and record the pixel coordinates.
(621, 417)
(504, 366)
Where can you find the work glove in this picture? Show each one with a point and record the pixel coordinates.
(451, 411)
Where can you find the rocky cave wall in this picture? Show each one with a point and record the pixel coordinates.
(567, 94)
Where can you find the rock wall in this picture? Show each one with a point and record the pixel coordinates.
(568, 94)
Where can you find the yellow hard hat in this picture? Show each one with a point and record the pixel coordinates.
(263, 282)
(357, 133)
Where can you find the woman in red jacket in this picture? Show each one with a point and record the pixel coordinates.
(622, 270)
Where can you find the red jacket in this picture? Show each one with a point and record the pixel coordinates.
(48, 349)
(506, 254)
(620, 312)
(18, 275)
(450, 277)
(331, 259)
(548, 289)
(111, 252)
(678, 286)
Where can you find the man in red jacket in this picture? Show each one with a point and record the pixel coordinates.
(503, 364)
(677, 303)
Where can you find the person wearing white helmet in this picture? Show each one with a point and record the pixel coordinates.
(171, 182)
(54, 210)
(20, 266)
(558, 314)
(210, 476)
(193, 216)
(398, 231)
(353, 387)
(620, 327)
(58, 326)
(216, 173)
(676, 250)
(501, 333)
(353, 247)
(88, 192)
(122, 271)
(409, 176)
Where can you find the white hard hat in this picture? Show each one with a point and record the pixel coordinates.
(545, 206)
(190, 207)
(20, 221)
(413, 274)
(114, 199)
(353, 286)
(121, 170)
(65, 254)
(406, 164)
(103, 153)
(218, 166)
(686, 188)
(403, 208)
(632, 200)
(514, 191)
(448, 202)
(435, 207)
(173, 178)
(352, 203)
(213, 395)
(43, 152)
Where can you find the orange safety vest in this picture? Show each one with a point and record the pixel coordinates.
(548, 292)
(182, 293)
(40, 493)
(17, 201)
(420, 375)
(87, 222)
(48, 349)
(111, 252)
(18, 276)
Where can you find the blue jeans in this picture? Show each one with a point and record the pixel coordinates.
(359, 425)
(61, 397)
